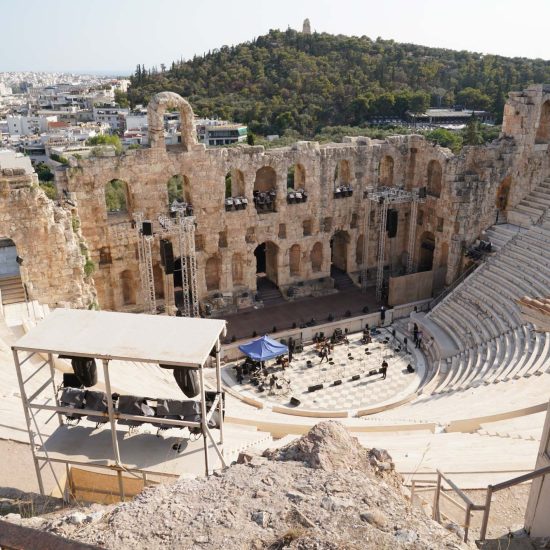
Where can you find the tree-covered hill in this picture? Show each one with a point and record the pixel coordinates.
(290, 80)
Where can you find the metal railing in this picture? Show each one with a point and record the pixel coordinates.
(505, 485)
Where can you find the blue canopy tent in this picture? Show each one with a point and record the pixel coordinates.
(264, 348)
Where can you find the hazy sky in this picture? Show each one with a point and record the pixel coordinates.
(115, 35)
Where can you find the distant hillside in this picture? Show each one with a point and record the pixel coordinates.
(289, 80)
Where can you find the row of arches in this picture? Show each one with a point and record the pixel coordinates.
(434, 175)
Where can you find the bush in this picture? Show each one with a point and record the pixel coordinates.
(50, 189)
(104, 139)
(89, 267)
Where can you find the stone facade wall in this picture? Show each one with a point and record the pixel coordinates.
(226, 241)
(48, 240)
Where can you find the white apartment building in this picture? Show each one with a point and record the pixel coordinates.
(28, 125)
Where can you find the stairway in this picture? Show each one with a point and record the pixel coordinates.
(342, 280)
(12, 290)
(268, 292)
(532, 207)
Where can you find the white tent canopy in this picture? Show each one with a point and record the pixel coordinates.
(177, 341)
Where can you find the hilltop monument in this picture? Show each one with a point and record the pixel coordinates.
(306, 28)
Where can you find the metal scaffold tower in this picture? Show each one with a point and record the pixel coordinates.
(181, 229)
(384, 196)
(366, 237)
(145, 259)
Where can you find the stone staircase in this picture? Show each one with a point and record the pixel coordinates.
(342, 281)
(268, 292)
(12, 290)
(532, 207)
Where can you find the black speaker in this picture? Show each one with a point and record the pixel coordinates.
(85, 370)
(355, 377)
(147, 229)
(295, 402)
(337, 382)
(315, 388)
(167, 256)
(391, 223)
(422, 193)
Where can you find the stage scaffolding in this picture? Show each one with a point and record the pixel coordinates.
(108, 336)
(384, 197)
(180, 230)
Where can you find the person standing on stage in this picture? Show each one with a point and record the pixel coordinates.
(384, 369)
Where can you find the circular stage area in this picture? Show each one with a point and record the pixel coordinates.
(349, 381)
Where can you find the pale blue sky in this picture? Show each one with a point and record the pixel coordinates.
(115, 35)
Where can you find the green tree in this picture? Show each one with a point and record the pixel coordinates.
(472, 134)
(105, 139)
(445, 138)
(121, 99)
(115, 196)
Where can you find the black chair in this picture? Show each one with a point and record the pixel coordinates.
(97, 401)
(72, 398)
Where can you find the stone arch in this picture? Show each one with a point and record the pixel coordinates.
(296, 177)
(385, 171)
(266, 180)
(342, 173)
(543, 130)
(116, 197)
(159, 281)
(237, 270)
(434, 174)
(294, 260)
(359, 250)
(212, 273)
(316, 257)
(503, 192)
(128, 284)
(234, 184)
(179, 189)
(339, 250)
(426, 256)
(267, 259)
(155, 118)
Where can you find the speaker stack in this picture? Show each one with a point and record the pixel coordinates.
(147, 229)
(167, 256)
(391, 223)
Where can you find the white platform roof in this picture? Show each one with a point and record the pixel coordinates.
(178, 341)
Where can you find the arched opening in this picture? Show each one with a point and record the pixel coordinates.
(339, 252)
(501, 199)
(128, 288)
(234, 184)
(266, 255)
(296, 178)
(426, 256)
(342, 173)
(316, 257)
(179, 194)
(212, 273)
(359, 251)
(543, 131)
(265, 189)
(158, 105)
(385, 171)
(237, 271)
(9, 263)
(434, 178)
(294, 259)
(116, 197)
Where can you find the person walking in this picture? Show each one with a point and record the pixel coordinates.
(384, 369)
(324, 353)
(418, 339)
(415, 334)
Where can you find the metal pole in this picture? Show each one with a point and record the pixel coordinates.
(467, 521)
(383, 208)
(219, 388)
(203, 419)
(26, 411)
(365, 246)
(435, 511)
(412, 233)
(485, 520)
(52, 373)
(112, 420)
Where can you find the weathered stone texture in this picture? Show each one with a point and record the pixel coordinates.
(461, 202)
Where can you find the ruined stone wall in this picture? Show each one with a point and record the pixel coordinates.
(48, 240)
(461, 203)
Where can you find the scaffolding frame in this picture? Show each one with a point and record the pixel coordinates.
(384, 196)
(145, 259)
(182, 230)
(41, 458)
